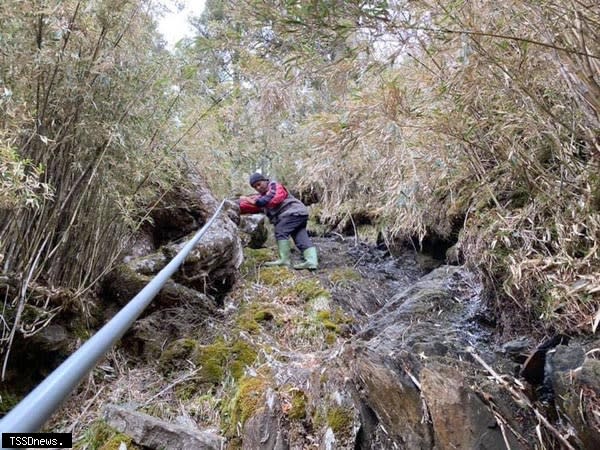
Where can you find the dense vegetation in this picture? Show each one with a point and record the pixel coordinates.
(476, 123)
(470, 122)
(86, 137)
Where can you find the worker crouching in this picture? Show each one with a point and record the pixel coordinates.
(288, 215)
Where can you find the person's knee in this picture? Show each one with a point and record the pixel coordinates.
(281, 235)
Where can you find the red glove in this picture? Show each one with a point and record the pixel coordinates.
(248, 208)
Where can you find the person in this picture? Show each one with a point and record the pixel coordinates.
(289, 217)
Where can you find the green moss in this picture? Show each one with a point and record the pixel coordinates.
(344, 275)
(324, 315)
(114, 443)
(308, 289)
(212, 359)
(329, 325)
(248, 324)
(330, 338)
(332, 320)
(173, 358)
(298, 409)
(263, 315)
(339, 317)
(254, 257)
(221, 357)
(8, 401)
(100, 436)
(274, 276)
(248, 399)
(258, 255)
(250, 315)
(339, 419)
(242, 355)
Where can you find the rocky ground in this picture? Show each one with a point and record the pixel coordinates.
(369, 352)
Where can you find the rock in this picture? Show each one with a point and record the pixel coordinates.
(575, 380)
(517, 348)
(149, 264)
(395, 400)
(453, 255)
(256, 229)
(123, 284)
(157, 434)
(182, 210)
(143, 244)
(411, 368)
(590, 375)
(213, 264)
(263, 430)
(211, 267)
(459, 417)
(53, 337)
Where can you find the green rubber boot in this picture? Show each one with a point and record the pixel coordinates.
(311, 261)
(285, 248)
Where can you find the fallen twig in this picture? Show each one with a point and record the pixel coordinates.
(521, 397)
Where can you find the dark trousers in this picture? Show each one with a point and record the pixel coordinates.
(294, 226)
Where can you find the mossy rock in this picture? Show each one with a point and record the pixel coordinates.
(248, 399)
(340, 420)
(298, 409)
(175, 356)
(222, 357)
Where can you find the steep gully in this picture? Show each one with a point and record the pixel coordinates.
(372, 351)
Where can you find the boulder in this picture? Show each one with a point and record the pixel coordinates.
(181, 210)
(575, 381)
(157, 434)
(263, 430)
(412, 367)
(255, 229)
(211, 267)
(458, 415)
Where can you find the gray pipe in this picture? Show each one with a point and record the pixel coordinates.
(35, 409)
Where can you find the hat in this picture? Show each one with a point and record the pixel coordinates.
(256, 177)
